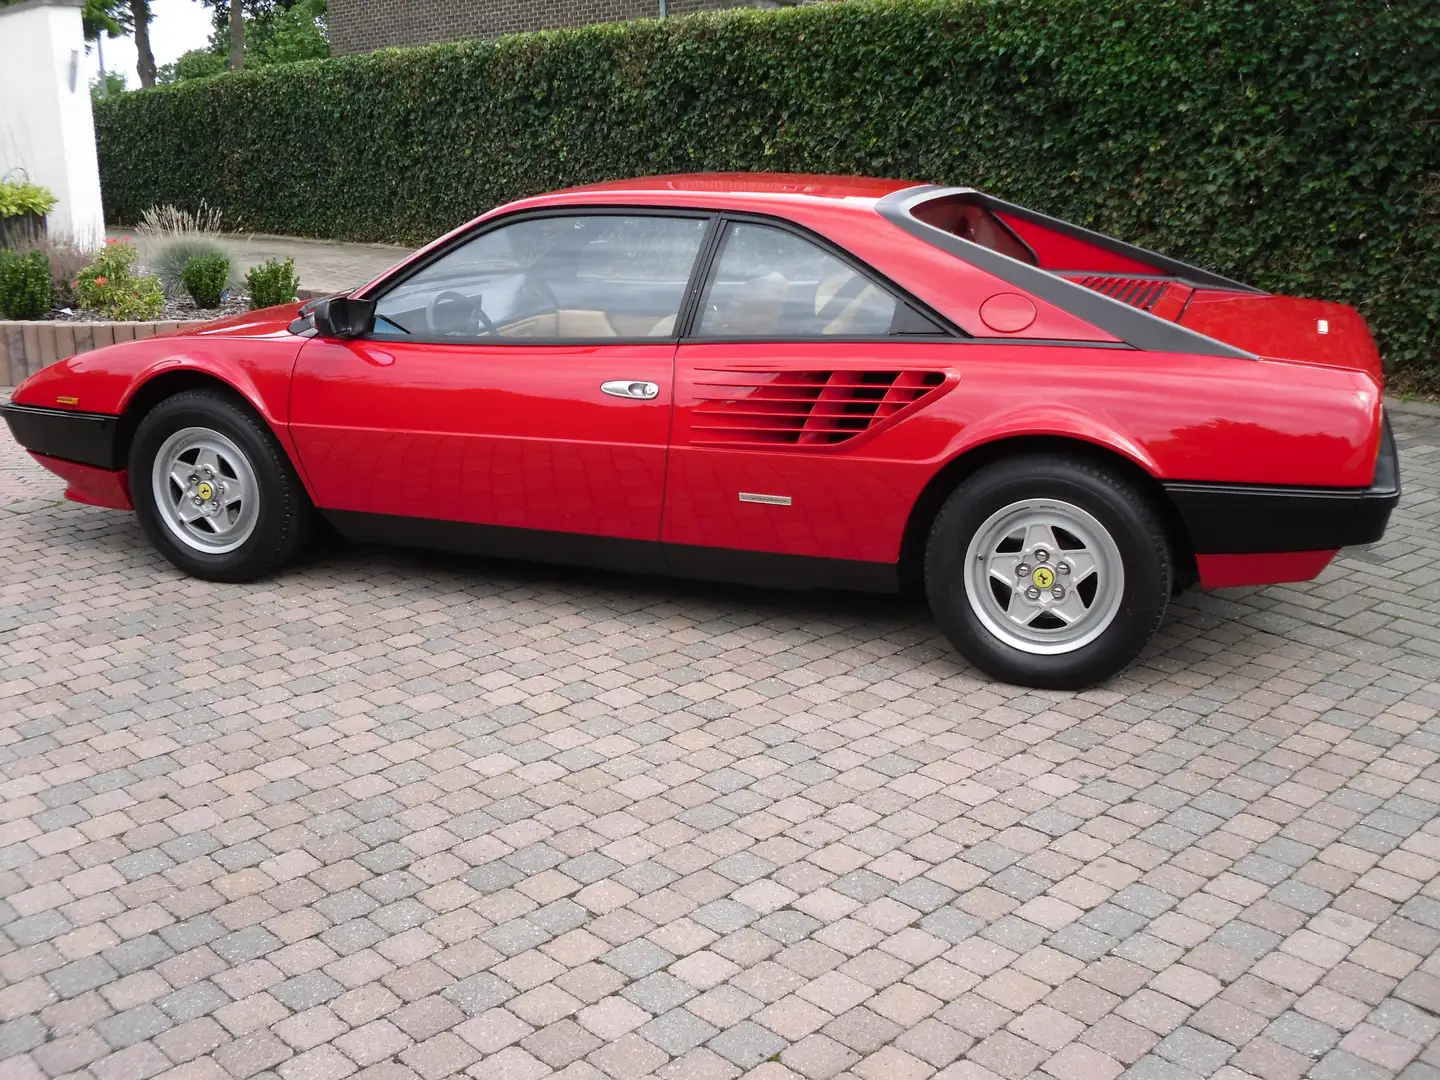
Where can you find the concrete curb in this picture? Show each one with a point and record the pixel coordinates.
(1414, 408)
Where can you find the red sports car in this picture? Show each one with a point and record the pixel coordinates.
(802, 380)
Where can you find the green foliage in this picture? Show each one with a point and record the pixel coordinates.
(272, 282)
(24, 284)
(22, 198)
(297, 32)
(111, 84)
(195, 64)
(168, 258)
(110, 17)
(110, 284)
(205, 277)
(275, 33)
(1291, 143)
(65, 259)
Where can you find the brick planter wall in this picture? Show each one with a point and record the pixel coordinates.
(26, 347)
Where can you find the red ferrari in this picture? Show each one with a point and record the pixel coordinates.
(801, 380)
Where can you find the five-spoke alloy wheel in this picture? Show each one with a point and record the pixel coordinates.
(1044, 576)
(213, 489)
(205, 490)
(1048, 571)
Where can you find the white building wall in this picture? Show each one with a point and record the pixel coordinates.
(45, 124)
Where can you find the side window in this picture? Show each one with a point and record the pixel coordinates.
(767, 282)
(551, 278)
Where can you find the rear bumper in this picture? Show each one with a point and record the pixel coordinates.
(1232, 571)
(87, 438)
(1245, 519)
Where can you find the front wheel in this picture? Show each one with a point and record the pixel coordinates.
(1048, 572)
(214, 490)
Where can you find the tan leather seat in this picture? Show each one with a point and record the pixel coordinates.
(828, 287)
(565, 323)
(847, 322)
(583, 324)
(664, 328)
(844, 321)
(755, 308)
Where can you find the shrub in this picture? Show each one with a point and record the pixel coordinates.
(1280, 142)
(169, 258)
(169, 220)
(66, 259)
(205, 278)
(25, 287)
(273, 282)
(195, 64)
(175, 236)
(111, 285)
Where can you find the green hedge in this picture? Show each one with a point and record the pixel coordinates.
(1290, 143)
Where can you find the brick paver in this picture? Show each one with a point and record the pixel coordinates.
(392, 815)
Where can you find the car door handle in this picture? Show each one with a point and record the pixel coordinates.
(630, 388)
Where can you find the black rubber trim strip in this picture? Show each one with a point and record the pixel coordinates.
(1138, 329)
(86, 438)
(779, 571)
(611, 553)
(1241, 519)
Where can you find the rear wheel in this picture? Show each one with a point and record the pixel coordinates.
(214, 490)
(1048, 572)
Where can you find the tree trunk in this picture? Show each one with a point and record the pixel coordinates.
(237, 36)
(140, 14)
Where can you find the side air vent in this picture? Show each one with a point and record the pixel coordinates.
(802, 408)
(1138, 292)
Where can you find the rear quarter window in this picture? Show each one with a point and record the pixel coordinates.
(975, 224)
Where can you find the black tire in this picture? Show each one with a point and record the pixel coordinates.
(1123, 512)
(283, 520)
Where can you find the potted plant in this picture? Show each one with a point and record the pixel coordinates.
(23, 207)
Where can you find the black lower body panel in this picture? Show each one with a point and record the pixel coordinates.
(88, 438)
(611, 553)
(1250, 519)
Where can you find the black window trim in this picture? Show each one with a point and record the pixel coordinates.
(946, 329)
(700, 271)
(391, 281)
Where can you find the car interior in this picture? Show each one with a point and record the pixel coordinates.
(976, 224)
(585, 278)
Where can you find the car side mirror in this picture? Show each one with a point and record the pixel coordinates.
(343, 317)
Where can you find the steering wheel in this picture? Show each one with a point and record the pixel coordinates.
(451, 298)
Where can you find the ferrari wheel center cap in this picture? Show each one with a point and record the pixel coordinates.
(205, 490)
(1043, 577)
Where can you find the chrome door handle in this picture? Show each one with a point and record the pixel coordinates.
(630, 388)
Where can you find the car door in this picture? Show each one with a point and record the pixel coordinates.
(521, 383)
(795, 393)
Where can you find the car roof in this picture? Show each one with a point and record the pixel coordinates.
(693, 187)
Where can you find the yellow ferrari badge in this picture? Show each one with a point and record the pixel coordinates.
(1043, 577)
(207, 492)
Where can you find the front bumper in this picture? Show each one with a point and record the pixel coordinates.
(83, 449)
(1244, 519)
(85, 438)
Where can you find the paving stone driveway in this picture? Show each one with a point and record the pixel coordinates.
(393, 816)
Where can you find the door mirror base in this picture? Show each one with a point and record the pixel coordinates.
(343, 317)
